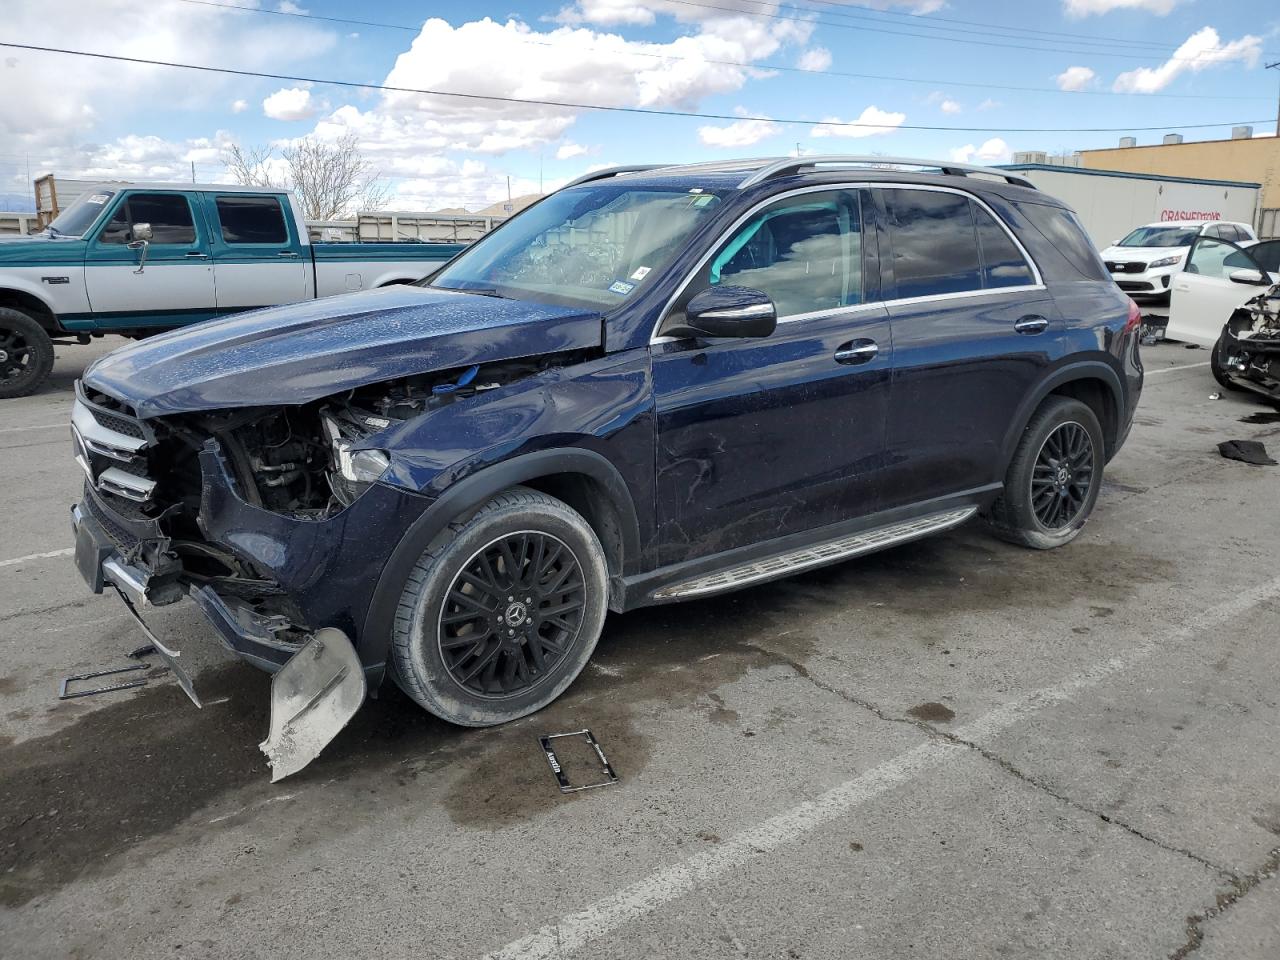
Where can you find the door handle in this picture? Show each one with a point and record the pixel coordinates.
(1032, 325)
(857, 351)
(194, 254)
(286, 253)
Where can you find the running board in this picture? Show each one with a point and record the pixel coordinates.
(785, 564)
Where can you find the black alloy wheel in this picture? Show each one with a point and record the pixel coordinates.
(26, 354)
(17, 357)
(1062, 476)
(512, 614)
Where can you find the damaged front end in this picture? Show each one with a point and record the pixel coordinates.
(272, 520)
(1248, 353)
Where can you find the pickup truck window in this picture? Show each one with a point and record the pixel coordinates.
(592, 246)
(251, 220)
(805, 252)
(168, 213)
(79, 217)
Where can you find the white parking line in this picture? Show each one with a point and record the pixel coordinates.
(576, 930)
(38, 426)
(1185, 366)
(68, 551)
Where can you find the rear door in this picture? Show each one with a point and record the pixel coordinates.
(1205, 293)
(259, 257)
(973, 330)
(761, 438)
(173, 285)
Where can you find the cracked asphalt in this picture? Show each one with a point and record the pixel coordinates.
(956, 749)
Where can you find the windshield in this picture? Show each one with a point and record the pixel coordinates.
(1161, 237)
(79, 217)
(592, 246)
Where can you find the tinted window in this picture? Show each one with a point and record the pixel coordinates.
(168, 213)
(252, 220)
(804, 252)
(1267, 254)
(935, 245)
(1003, 264)
(1066, 240)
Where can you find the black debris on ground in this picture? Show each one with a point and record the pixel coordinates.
(1246, 451)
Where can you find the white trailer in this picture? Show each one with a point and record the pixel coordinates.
(1111, 203)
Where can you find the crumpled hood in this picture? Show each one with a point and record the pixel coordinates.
(1142, 254)
(304, 351)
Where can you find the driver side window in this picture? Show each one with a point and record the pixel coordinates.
(1216, 258)
(805, 252)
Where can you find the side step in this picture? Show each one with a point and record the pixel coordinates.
(805, 558)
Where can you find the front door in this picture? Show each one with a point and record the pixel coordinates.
(761, 438)
(258, 255)
(973, 331)
(171, 286)
(1219, 277)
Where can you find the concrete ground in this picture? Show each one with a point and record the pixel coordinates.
(956, 749)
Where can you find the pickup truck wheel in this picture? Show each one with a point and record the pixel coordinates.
(26, 354)
(499, 616)
(1053, 480)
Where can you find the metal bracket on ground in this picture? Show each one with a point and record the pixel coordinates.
(554, 762)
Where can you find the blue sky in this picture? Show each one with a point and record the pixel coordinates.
(1099, 63)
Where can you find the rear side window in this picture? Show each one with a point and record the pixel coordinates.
(935, 249)
(1003, 264)
(1065, 237)
(169, 215)
(252, 220)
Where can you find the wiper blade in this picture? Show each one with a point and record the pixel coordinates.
(479, 291)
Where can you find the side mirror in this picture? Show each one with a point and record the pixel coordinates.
(1253, 278)
(727, 311)
(141, 240)
(141, 231)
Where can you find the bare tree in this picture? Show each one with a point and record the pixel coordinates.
(329, 177)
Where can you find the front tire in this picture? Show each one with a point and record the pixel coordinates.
(499, 616)
(1215, 367)
(26, 354)
(1052, 482)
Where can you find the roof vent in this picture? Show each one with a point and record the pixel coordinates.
(1128, 141)
(1242, 133)
(1173, 138)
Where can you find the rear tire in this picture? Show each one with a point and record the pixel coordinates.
(1052, 482)
(26, 354)
(500, 614)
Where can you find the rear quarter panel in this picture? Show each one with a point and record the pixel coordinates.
(347, 267)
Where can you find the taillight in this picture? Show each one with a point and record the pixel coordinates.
(1135, 317)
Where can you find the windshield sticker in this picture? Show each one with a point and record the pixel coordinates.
(640, 274)
(702, 201)
(696, 190)
(98, 198)
(622, 287)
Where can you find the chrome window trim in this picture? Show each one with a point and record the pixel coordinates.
(1038, 285)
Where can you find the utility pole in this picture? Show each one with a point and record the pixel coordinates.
(193, 171)
(1269, 67)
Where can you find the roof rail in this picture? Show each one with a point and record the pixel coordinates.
(793, 164)
(608, 172)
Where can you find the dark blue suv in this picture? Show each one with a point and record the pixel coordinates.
(654, 384)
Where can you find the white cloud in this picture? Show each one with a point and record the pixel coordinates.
(1075, 78)
(994, 150)
(1089, 8)
(239, 106)
(815, 58)
(288, 6)
(291, 103)
(53, 107)
(945, 102)
(1201, 50)
(989, 104)
(875, 122)
(950, 106)
(739, 133)
(569, 150)
(572, 64)
(606, 13)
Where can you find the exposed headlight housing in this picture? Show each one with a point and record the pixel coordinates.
(1165, 262)
(363, 466)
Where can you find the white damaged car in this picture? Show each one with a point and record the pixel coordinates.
(1143, 264)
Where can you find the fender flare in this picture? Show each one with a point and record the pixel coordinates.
(24, 290)
(463, 498)
(1080, 370)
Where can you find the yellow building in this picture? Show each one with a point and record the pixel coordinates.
(1241, 158)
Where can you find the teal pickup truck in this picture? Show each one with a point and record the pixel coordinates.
(139, 258)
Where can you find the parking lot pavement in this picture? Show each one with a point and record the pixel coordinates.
(953, 749)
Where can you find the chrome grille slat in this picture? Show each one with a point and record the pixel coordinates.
(807, 557)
